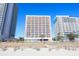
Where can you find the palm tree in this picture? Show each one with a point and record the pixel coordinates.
(54, 39)
(59, 37)
(21, 39)
(72, 36)
(17, 40)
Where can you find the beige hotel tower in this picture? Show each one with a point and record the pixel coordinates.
(38, 28)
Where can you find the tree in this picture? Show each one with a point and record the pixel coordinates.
(21, 39)
(54, 39)
(72, 36)
(60, 38)
(17, 40)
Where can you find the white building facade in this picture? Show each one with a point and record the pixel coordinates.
(37, 27)
(66, 24)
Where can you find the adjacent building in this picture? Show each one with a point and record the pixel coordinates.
(38, 27)
(66, 24)
(8, 18)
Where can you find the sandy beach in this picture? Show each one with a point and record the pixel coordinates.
(41, 52)
(39, 49)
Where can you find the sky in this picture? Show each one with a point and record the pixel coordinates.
(51, 9)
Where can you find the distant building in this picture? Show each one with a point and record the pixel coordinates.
(8, 18)
(37, 27)
(65, 25)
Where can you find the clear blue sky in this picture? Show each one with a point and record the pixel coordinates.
(51, 9)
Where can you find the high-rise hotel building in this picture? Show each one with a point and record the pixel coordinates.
(37, 27)
(66, 24)
(8, 18)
